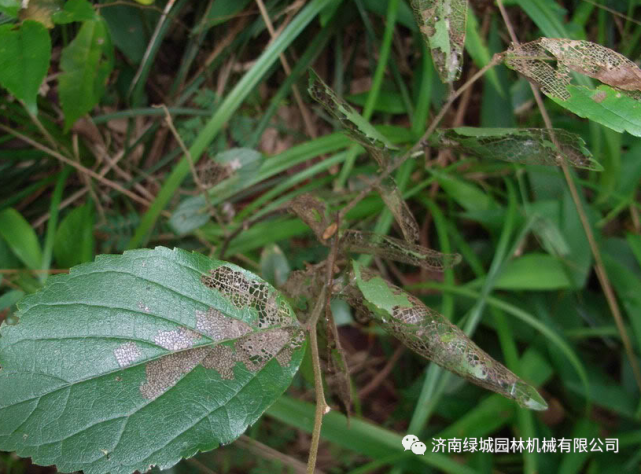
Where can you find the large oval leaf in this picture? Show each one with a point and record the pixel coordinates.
(142, 359)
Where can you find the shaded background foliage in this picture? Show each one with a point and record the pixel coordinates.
(526, 260)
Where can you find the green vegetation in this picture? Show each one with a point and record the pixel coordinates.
(292, 195)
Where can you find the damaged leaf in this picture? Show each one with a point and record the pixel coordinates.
(397, 250)
(225, 171)
(529, 146)
(431, 335)
(362, 132)
(142, 359)
(550, 62)
(442, 24)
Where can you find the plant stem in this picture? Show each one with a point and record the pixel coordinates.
(321, 405)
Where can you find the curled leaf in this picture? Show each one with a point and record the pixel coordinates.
(442, 24)
(313, 212)
(431, 335)
(361, 131)
(530, 146)
(594, 60)
(397, 250)
(549, 62)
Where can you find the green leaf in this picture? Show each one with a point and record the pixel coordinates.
(225, 10)
(388, 102)
(442, 24)
(20, 236)
(226, 170)
(434, 337)
(24, 60)
(86, 64)
(10, 7)
(615, 104)
(143, 359)
(75, 10)
(532, 146)
(127, 30)
(467, 195)
(274, 266)
(604, 105)
(536, 272)
(191, 214)
(74, 243)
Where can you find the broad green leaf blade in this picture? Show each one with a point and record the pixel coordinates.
(142, 359)
(442, 24)
(74, 243)
(361, 131)
(433, 336)
(397, 250)
(614, 109)
(86, 64)
(75, 10)
(533, 272)
(21, 238)
(616, 104)
(529, 146)
(24, 60)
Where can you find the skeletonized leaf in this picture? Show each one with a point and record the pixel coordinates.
(358, 128)
(361, 131)
(442, 24)
(313, 212)
(433, 336)
(594, 60)
(226, 169)
(530, 146)
(397, 250)
(142, 359)
(616, 104)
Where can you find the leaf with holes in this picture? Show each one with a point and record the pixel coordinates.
(361, 131)
(442, 24)
(529, 146)
(143, 359)
(616, 103)
(431, 335)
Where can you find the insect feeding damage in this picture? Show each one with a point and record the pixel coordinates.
(434, 337)
(236, 341)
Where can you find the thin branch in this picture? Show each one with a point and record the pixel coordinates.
(321, 405)
(78, 166)
(598, 262)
